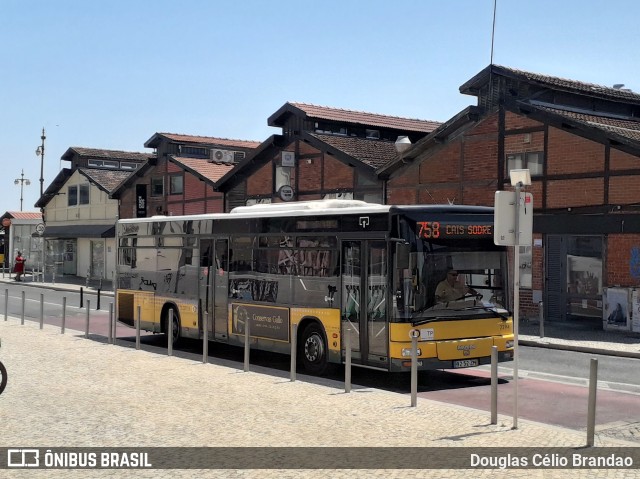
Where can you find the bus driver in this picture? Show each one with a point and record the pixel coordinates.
(450, 289)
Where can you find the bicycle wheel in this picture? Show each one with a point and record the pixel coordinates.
(3, 377)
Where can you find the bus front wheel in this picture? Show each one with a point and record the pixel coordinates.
(314, 349)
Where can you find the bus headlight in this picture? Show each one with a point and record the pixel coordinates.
(406, 352)
(509, 344)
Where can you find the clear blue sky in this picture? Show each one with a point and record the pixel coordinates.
(109, 74)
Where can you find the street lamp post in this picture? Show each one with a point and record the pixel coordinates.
(22, 181)
(40, 153)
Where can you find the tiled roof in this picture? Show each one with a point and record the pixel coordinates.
(375, 153)
(563, 83)
(109, 154)
(211, 140)
(552, 82)
(24, 215)
(364, 118)
(622, 127)
(107, 180)
(208, 170)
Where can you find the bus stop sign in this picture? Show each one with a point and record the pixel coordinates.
(504, 231)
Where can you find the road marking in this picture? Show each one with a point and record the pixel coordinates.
(558, 378)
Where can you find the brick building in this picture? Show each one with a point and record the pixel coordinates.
(180, 178)
(581, 143)
(322, 152)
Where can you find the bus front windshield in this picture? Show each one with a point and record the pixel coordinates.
(449, 278)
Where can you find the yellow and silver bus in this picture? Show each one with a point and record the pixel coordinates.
(327, 267)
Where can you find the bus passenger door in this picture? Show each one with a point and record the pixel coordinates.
(364, 294)
(214, 287)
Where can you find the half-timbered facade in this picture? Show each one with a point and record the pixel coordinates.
(322, 153)
(180, 180)
(581, 143)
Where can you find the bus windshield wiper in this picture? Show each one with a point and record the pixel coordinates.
(434, 319)
(491, 309)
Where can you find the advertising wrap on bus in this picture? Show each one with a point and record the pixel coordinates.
(329, 268)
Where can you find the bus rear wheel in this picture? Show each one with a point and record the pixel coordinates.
(314, 349)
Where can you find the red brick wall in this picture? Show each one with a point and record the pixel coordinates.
(624, 189)
(619, 160)
(336, 174)
(443, 166)
(569, 153)
(575, 192)
(403, 196)
(513, 121)
(480, 155)
(261, 182)
(194, 188)
(619, 260)
(310, 174)
(524, 142)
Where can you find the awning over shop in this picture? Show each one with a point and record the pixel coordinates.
(80, 231)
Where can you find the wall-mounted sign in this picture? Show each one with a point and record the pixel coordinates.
(285, 193)
(141, 201)
(40, 228)
(288, 158)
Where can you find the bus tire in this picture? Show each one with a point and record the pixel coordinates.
(176, 325)
(3, 377)
(313, 349)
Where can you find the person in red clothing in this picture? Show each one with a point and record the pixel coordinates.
(18, 267)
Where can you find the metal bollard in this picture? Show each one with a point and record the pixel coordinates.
(86, 324)
(64, 313)
(247, 346)
(98, 304)
(205, 338)
(41, 310)
(347, 360)
(541, 316)
(294, 347)
(81, 295)
(6, 304)
(591, 410)
(170, 333)
(414, 367)
(494, 384)
(138, 317)
(112, 326)
(22, 314)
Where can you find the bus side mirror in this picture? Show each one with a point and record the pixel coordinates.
(402, 255)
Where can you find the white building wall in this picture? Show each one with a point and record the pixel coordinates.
(84, 256)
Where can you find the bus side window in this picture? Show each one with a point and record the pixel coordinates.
(222, 255)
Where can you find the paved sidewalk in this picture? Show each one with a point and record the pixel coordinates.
(67, 391)
(556, 336)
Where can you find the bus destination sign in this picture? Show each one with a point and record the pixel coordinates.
(445, 229)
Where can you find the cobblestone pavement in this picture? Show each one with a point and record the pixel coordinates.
(67, 391)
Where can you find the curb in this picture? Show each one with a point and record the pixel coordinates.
(580, 349)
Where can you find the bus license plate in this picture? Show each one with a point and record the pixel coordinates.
(465, 363)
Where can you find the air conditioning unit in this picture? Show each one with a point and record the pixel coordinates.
(225, 156)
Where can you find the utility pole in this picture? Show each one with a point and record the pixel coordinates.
(40, 153)
(22, 181)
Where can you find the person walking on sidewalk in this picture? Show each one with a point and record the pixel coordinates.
(18, 267)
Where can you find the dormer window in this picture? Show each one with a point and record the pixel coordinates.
(373, 134)
(103, 164)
